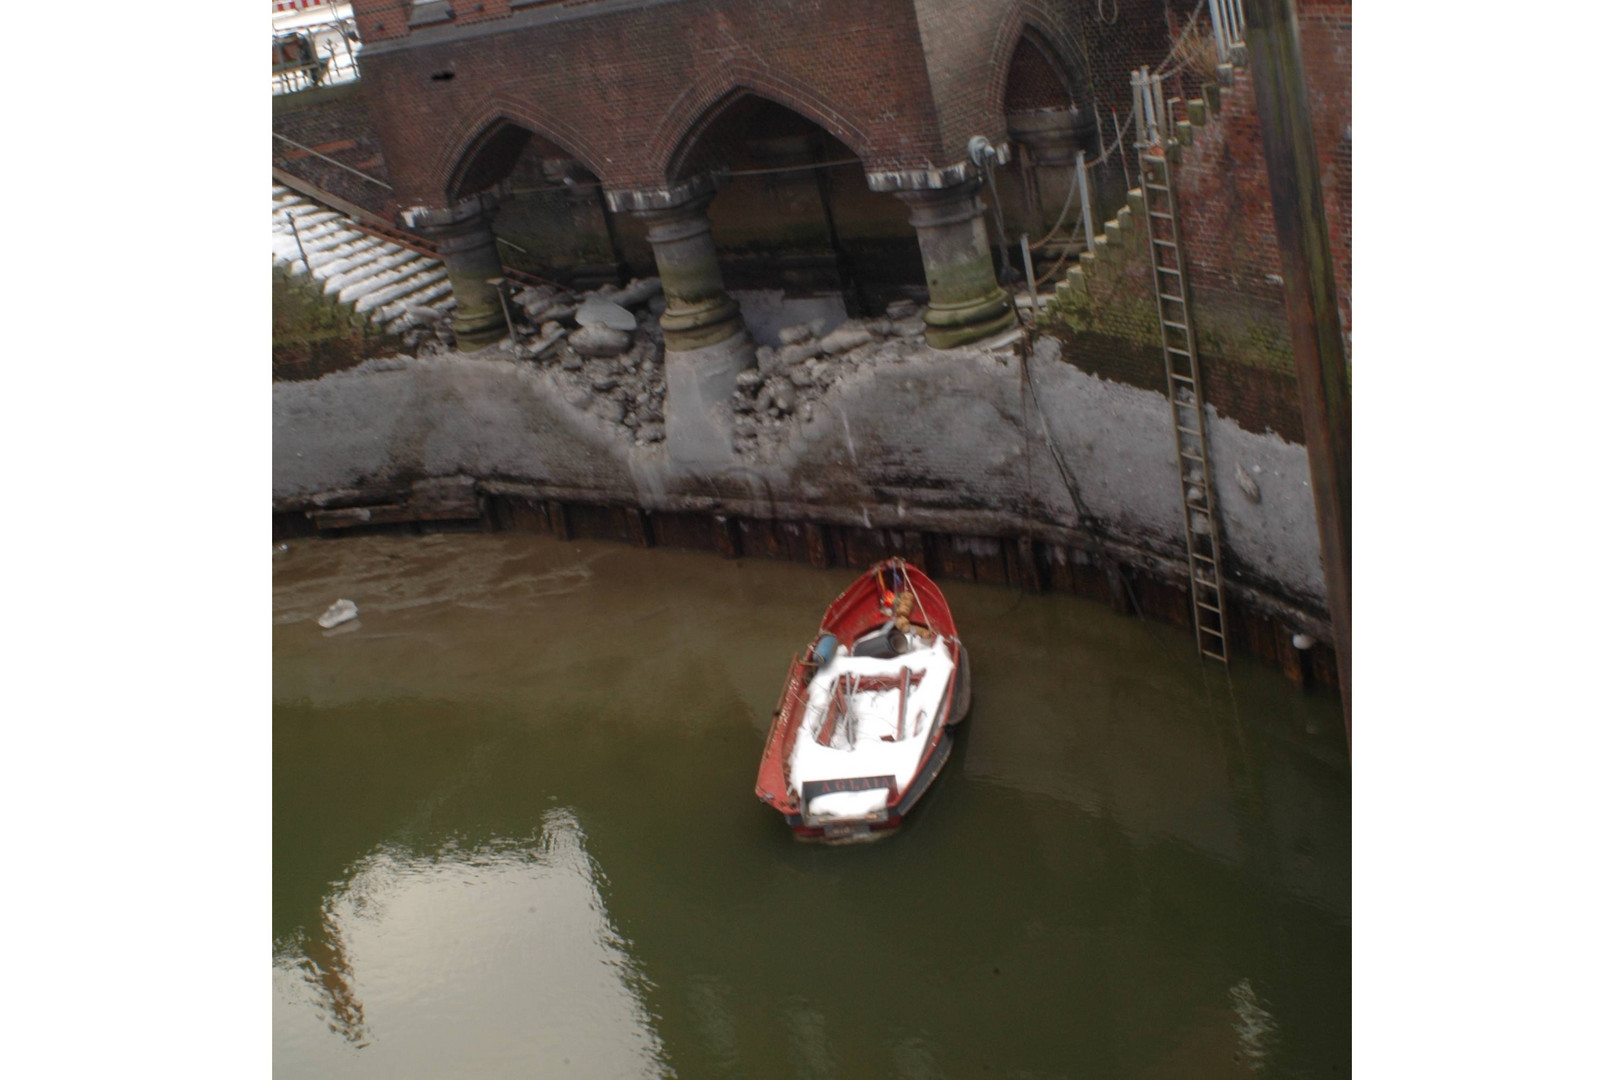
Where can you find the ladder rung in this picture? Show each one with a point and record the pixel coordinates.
(1164, 243)
(1213, 630)
(1175, 326)
(1182, 378)
(1215, 656)
(1187, 430)
(1204, 558)
(1168, 269)
(1158, 213)
(1181, 352)
(1175, 299)
(1203, 605)
(1157, 187)
(1192, 454)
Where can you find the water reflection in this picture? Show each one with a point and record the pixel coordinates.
(419, 955)
(1125, 869)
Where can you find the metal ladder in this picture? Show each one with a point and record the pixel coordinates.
(1189, 412)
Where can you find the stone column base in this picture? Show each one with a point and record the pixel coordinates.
(467, 246)
(951, 325)
(699, 399)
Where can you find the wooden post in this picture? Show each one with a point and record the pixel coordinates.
(1031, 577)
(641, 528)
(1286, 124)
(1117, 587)
(818, 546)
(729, 544)
(558, 519)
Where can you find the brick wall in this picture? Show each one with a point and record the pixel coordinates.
(1325, 31)
(333, 121)
(623, 92)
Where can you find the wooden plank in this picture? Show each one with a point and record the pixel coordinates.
(729, 543)
(819, 546)
(558, 519)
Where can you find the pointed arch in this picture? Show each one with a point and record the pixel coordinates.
(691, 115)
(1062, 49)
(479, 132)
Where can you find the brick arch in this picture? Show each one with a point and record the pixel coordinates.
(1033, 21)
(474, 132)
(688, 118)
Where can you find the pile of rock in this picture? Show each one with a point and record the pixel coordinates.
(787, 381)
(607, 348)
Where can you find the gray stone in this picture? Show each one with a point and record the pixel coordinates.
(579, 398)
(1248, 486)
(596, 311)
(912, 326)
(801, 376)
(795, 335)
(845, 339)
(781, 393)
(656, 305)
(791, 355)
(572, 360)
(342, 611)
(901, 309)
(652, 433)
(598, 340)
(636, 294)
(749, 379)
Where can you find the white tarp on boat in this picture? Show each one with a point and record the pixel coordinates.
(865, 743)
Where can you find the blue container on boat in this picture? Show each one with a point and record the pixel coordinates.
(824, 649)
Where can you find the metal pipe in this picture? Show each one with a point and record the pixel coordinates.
(1031, 278)
(1122, 151)
(501, 294)
(331, 161)
(1088, 209)
(1219, 38)
(1138, 109)
(1159, 124)
(302, 256)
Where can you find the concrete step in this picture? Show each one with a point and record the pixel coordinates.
(324, 264)
(331, 242)
(399, 272)
(403, 287)
(365, 252)
(387, 257)
(397, 310)
(379, 279)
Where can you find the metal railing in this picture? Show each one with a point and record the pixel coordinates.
(1228, 31)
(319, 54)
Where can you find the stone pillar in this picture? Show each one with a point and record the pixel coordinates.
(466, 245)
(706, 343)
(966, 302)
(698, 313)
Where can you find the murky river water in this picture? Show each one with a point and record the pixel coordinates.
(516, 835)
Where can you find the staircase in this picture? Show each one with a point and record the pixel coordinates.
(386, 283)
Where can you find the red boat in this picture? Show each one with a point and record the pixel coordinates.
(866, 717)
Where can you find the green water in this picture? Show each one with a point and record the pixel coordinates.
(516, 835)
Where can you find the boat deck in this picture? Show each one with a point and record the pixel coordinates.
(865, 731)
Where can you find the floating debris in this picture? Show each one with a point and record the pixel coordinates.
(342, 611)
